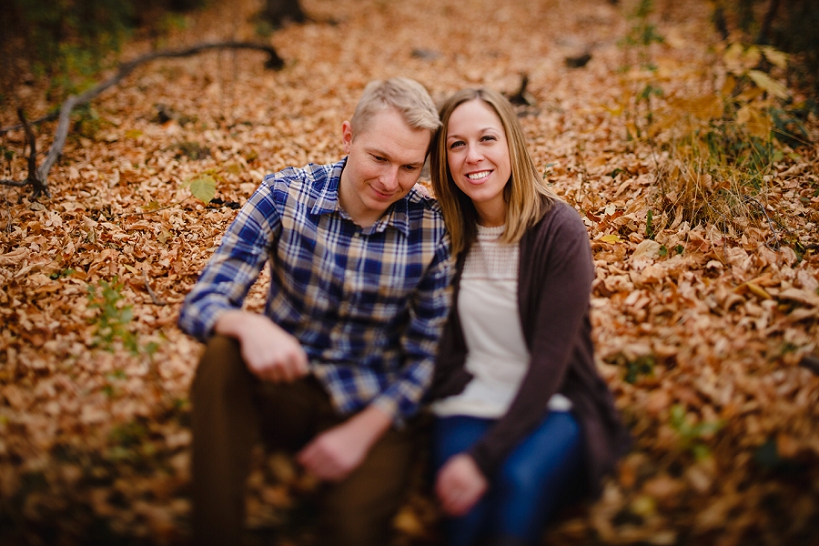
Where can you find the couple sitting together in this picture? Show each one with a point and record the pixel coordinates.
(382, 300)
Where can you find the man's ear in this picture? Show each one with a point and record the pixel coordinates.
(346, 135)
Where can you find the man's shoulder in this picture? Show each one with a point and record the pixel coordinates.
(420, 201)
(310, 173)
(301, 184)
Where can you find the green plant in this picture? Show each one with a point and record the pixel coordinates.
(634, 368)
(88, 122)
(650, 224)
(641, 34)
(639, 74)
(112, 318)
(722, 144)
(692, 436)
(192, 150)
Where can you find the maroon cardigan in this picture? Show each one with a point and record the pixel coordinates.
(554, 286)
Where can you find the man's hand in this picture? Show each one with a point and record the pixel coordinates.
(459, 485)
(269, 352)
(336, 452)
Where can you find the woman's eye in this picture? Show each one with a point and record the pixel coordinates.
(488, 137)
(456, 144)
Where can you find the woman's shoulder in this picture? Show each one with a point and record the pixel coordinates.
(561, 217)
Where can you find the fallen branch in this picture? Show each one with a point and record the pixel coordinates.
(33, 177)
(154, 298)
(38, 177)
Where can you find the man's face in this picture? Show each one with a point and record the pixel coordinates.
(384, 162)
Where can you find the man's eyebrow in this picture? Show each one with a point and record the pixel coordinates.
(381, 153)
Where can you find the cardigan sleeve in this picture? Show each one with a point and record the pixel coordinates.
(554, 287)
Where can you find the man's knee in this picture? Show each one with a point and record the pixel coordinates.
(220, 367)
(359, 511)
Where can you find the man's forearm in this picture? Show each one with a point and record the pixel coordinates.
(230, 323)
(336, 452)
(370, 424)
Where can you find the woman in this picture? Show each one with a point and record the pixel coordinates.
(524, 424)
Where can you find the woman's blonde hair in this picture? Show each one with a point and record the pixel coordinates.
(526, 194)
(407, 96)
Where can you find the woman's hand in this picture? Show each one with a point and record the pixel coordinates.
(460, 484)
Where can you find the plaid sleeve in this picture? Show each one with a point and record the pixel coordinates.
(428, 312)
(235, 265)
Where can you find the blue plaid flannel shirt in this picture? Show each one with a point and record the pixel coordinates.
(367, 305)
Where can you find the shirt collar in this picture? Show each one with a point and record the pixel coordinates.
(326, 202)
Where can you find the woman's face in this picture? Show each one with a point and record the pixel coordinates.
(478, 158)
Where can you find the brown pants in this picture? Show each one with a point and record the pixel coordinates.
(232, 410)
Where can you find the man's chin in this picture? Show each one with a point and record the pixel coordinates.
(382, 202)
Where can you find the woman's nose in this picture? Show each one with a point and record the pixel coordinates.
(473, 154)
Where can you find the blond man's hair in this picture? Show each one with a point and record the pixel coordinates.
(526, 194)
(408, 97)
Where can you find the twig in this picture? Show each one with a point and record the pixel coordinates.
(770, 223)
(154, 298)
(38, 178)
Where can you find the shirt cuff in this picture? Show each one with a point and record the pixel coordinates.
(389, 406)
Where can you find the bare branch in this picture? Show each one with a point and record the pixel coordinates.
(32, 141)
(38, 177)
(15, 183)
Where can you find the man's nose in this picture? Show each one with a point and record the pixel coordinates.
(390, 178)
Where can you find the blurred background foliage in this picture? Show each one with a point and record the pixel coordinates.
(789, 25)
(66, 43)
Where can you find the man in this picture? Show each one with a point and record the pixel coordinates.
(360, 271)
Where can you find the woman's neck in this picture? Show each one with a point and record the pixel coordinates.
(491, 215)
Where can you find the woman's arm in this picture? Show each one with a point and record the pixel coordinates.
(554, 287)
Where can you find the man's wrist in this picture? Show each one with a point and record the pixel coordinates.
(371, 423)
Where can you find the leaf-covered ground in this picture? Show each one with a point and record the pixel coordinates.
(700, 327)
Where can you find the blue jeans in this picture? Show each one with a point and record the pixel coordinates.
(544, 473)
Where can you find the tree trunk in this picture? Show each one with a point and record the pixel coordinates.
(280, 12)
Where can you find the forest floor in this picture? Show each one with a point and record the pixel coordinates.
(706, 327)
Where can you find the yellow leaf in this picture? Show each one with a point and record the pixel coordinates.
(733, 56)
(164, 235)
(758, 290)
(755, 121)
(729, 85)
(133, 133)
(234, 168)
(751, 57)
(203, 188)
(777, 58)
(610, 238)
(768, 84)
